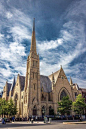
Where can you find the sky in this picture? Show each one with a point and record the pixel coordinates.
(60, 27)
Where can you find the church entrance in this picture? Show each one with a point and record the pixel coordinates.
(34, 111)
(43, 111)
(51, 111)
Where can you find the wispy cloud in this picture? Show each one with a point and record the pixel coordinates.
(46, 45)
(72, 36)
(12, 51)
(16, 26)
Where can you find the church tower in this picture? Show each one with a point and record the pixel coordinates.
(32, 83)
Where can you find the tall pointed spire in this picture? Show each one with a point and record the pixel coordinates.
(33, 40)
(34, 24)
(71, 81)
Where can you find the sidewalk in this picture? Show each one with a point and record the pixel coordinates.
(77, 122)
(29, 122)
(52, 122)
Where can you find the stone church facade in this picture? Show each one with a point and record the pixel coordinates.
(36, 94)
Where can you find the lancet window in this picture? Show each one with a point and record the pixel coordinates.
(63, 94)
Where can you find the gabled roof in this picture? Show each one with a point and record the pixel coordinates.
(8, 88)
(83, 89)
(45, 83)
(56, 74)
(22, 82)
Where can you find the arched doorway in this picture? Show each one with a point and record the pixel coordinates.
(34, 111)
(51, 111)
(63, 94)
(43, 111)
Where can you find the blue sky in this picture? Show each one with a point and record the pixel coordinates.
(60, 37)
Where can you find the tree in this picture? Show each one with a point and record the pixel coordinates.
(3, 107)
(11, 109)
(64, 106)
(7, 108)
(79, 105)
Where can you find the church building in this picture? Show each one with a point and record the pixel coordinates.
(36, 94)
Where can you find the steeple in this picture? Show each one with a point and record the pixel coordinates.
(33, 40)
(52, 77)
(71, 81)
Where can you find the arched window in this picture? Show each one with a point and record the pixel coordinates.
(33, 75)
(34, 86)
(15, 99)
(51, 111)
(63, 94)
(43, 111)
(34, 111)
(43, 98)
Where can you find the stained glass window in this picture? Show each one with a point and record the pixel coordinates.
(63, 94)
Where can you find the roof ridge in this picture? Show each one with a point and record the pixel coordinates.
(21, 76)
(44, 75)
(9, 83)
(54, 72)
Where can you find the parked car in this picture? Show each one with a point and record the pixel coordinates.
(70, 117)
(7, 119)
(76, 117)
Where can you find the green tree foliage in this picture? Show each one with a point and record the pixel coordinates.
(7, 108)
(79, 105)
(64, 106)
(3, 107)
(11, 108)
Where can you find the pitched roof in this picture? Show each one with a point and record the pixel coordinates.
(8, 88)
(83, 89)
(22, 82)
(45, 83)
(56, 74)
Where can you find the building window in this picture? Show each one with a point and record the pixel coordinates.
(43, 98)
(75, 94)
(22, 97)
(63, 94)
(34, 86)
(33, 62)
(49, 97)
(36, 75)
(36, 63)
(33, 74)
(62, 77)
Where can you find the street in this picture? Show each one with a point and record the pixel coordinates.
(40, 125)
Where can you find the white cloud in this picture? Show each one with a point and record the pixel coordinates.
(81, 82)
(71, 39)
(6, 72)
(9, 15)
(1, 36)
(19, 33)
(46, 45)
(15, 47)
